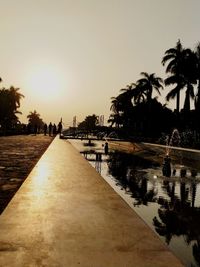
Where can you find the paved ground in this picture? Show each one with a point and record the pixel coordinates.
(19, 154)
(65, 214)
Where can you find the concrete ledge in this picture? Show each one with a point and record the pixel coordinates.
(65, 214)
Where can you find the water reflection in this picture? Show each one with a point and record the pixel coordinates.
(177, 214)
(173, 203)
(123, 167)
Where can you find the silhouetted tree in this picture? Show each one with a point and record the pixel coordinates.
(9, 104)
(89, 124)
(175, 58)
(35, 120)
(148, 83)
(197, 100)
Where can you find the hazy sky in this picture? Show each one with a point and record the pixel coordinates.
(69, 57)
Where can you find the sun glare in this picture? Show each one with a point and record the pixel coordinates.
(46, 83)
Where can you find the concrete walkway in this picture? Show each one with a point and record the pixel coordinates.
(66, 215)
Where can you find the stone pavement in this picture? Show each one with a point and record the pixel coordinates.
(18, 155)
(66, 215)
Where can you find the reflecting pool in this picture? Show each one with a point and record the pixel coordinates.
(170, 206)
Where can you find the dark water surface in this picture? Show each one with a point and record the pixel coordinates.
(170, 206)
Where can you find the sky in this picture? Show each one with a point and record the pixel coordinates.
(69, 57)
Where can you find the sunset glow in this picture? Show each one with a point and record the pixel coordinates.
(45, 83)
(76, 55)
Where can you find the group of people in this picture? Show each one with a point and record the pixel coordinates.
(52, 129)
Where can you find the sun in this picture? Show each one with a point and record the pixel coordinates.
(45, 83)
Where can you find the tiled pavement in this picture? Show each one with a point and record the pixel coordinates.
(18, 155)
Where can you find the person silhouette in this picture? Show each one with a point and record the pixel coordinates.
(45, 129)
(54, 129)
(50, 128)
(60, 127)
(106, 148)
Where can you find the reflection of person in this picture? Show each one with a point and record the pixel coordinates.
(106, 148)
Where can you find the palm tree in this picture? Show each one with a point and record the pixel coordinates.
(116, 108)
(190, 76)
(139, 95)
(9, 103)
(15, 97)
(197, 100)
(148, 83)
(126, 98)
(178, 57)
(34, 119)
(175, 92)
(115, 105)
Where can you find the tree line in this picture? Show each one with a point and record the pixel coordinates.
(136, 112)
(9, 110)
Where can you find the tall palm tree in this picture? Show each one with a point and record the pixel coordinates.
(190, 76)
(177, 59)
(197, 100)
(175, 92)
(148, 83)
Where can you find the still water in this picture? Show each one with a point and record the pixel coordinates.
(170, 206)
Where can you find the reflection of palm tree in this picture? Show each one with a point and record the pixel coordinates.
(193, 193)
(196, 251)
(140, 191)
(178, 217)
(183, 194)
(123, 168)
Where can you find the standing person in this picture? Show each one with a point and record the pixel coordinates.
(45, 129)
(106, 148)
(54, 129)
(60, 127)
(50, 128)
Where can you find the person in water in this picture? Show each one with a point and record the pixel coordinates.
(106, 148)
(167, 166)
